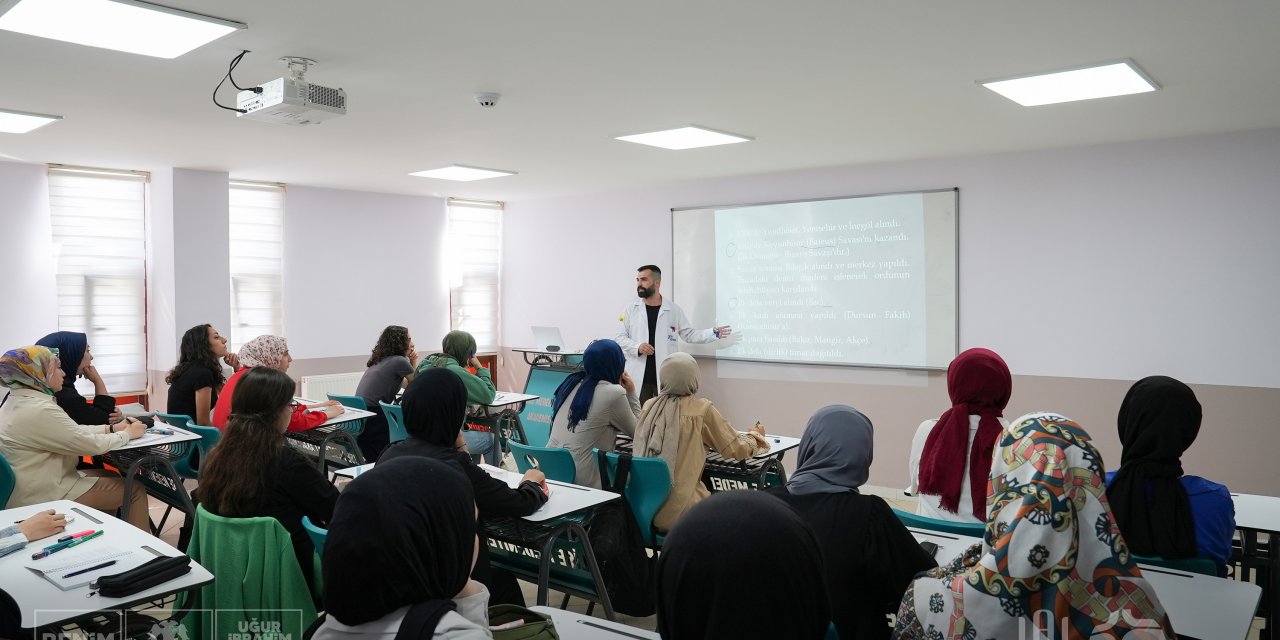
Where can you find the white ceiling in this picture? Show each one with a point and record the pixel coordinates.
(817, 83)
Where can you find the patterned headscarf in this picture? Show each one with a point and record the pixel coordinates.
(658, 434)
(1052, 555)
(28, 368)
(263, 351)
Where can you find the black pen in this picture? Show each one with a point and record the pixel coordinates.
(93, 568)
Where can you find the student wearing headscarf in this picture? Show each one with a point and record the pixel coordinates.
(435, 406)
(459, 356)
(271, 352)
(42, 443)
(1160, 511)
(592, 406)
(77, 360)
(950, 456)
(678, 428)
(869, 556)
(741, 564)
(1052, 555)
(396, 557)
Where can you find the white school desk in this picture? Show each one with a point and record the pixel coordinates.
(149, 460)
(336, 432)
(564, 499)
(534, 356)
(1258, 520)
(777, 446)
(504, 398)
(42, 603)
(1199, 606)
(576, 626)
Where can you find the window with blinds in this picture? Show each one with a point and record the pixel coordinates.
(473, 254)
(257, 261)
(99, 243)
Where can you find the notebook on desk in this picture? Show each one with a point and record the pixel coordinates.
(56, 567)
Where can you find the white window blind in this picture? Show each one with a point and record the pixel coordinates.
(257, 261)
(473, 254)
(99, 242)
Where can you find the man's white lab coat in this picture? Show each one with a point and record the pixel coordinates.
(672, 325)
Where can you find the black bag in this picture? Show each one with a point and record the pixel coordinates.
(142, 577)
(628, 571)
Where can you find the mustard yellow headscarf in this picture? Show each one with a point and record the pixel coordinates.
(28, 368)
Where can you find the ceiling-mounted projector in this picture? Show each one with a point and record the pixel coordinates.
(292, 100)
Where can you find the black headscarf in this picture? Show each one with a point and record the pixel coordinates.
(435, 406)
(71, 347)
(390, 548)
(1159, 419)
(730, 540)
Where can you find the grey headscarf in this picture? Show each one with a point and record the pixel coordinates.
(658, 434)
(835, 452)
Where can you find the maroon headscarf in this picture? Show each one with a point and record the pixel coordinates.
(978, 382)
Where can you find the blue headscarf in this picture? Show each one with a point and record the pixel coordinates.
(71, 347)
(603, 360)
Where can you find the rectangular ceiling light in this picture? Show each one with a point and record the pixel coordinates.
(21, 122)
(685, 138)
(462, 173)
(1095, 81)
(123, 25)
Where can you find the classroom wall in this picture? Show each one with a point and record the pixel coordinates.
(27, 288)
(1086, 268)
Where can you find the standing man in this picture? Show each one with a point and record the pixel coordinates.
(649, 329)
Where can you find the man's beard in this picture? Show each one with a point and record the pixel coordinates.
(645, 293)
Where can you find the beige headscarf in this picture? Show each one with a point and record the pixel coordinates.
(658, 435)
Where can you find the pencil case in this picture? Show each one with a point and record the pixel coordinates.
(142, 577)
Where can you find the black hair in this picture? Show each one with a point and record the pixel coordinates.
(657, 273)
(394, 341)
(194, 350)
(234, 476)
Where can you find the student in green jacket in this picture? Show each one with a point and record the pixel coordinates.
(459, 347)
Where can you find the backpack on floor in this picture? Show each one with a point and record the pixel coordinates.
(628, 571)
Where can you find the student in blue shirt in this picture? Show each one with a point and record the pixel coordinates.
(41, 525)
(1160, 511)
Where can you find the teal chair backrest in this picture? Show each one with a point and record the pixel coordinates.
(646, 490)
(355, 402)
(556, 463)
(1203, 566)
(973, 529)
(8, 480)
(174, 419)
(395, 421)
(538, 433)
(317, 534)
(209, 437)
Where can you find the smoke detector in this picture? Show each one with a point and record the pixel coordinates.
(487, 100)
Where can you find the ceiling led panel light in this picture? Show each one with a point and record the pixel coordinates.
(462, 173)
(21, 122)
(685, 138)
(123, 25)
(1096, 81)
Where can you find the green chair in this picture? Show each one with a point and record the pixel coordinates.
(355, 402)
(395, 421)
(1203, 566)
(317, 534)
(258, 578)
(556, 464)
(647, 487)
(971, 529)
(537, 433)
(8, 480)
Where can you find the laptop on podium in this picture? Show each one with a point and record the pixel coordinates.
(548, 339)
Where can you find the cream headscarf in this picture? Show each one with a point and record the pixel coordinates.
(658, 435)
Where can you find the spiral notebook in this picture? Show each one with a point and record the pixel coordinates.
(59, 564)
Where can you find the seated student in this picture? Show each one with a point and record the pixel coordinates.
(77, 360)
(459, 356)
(1160, 511)
(271, 352)
(870, 557)
(678, 428)
(390, 369)
(741, 564)
(417, 574)
(42, 525)
(1052, 556)
(950, 456)
(42, 443)
(254, 473)
(592, 407)
(194, 383)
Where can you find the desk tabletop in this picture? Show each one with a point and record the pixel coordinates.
(576, 626)
(1199, 606)
(157, 440)
(352, 472)
(562, 352)
(778, 445)
(504, 398)
(1260, 513)
(42, 603)
(349, 414)
(564, 499)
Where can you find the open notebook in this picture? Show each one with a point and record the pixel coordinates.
(54, 567)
